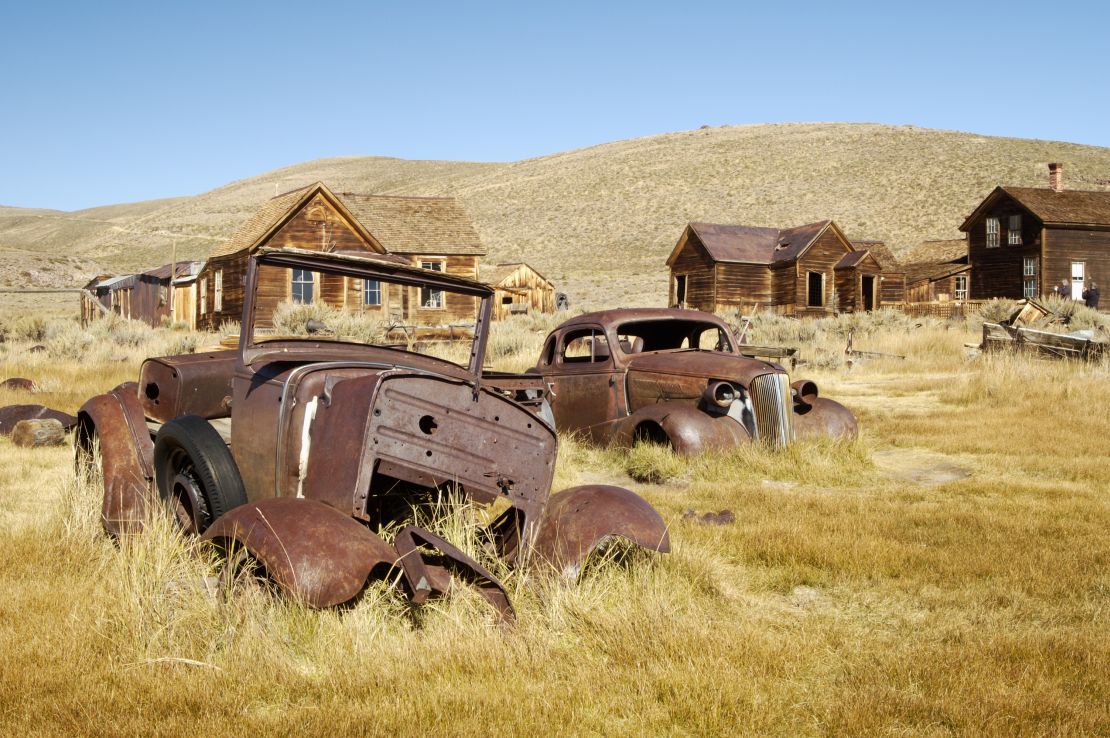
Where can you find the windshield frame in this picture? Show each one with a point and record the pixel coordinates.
(708, 322)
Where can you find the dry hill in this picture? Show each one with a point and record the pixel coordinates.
(600, 221)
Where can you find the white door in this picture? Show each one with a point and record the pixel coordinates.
(1077, 279)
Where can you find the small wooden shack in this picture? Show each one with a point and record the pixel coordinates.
(891, 275)
(519, 290)
(807, 270)
(144, 296)
(1025, 242)
(937, 271)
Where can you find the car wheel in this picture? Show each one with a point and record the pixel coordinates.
(196, 474)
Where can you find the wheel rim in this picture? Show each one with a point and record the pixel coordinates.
(186, 495)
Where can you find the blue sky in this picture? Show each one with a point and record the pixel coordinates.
(113, 102)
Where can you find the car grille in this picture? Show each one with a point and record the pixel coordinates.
(773, 409)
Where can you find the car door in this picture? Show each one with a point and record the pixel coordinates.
(586, 392)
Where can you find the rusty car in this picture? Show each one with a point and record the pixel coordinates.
(677, 377)
(304, 453)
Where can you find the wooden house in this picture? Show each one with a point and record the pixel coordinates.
(795, 271)
(519, 290)
(1023, 242)
(937, 271)
(145, 296)
(429, 232)
(891, 275)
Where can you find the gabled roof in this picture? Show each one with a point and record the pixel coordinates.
(1068, 207)
(936, 252)
(751, 244)
(882, 254)
(277, 211)
(494, 275)
(853, 258)
(416, 225)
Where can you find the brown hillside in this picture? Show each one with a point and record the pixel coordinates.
(600, 221)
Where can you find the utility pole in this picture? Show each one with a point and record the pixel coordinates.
(173, 275)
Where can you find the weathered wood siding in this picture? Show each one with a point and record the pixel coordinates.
(456, 308)
(185, 304)
(1062, 246)
(999, 271)
(694, 263)
(743, 286)
(893, 289)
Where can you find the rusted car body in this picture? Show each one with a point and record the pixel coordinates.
(302, 450)
(675, 376)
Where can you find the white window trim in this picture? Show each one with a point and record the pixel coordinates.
(424, 264)
(366, 293)
(218, 292)
(203, 295)
(993, 240)
(1029, 288)
(1029, 267)
(960, 289)
(293, 281)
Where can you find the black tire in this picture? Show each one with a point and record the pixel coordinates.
(195, 472)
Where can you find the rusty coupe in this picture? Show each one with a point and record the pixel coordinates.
(298, 451)
(675, 376)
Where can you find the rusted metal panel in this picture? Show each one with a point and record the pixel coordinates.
(192, 384)
(12, 414)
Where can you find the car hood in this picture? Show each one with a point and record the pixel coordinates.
(707, 364)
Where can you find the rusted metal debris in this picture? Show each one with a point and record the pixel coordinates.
(295, 453)
(677, 377)
(19, 384)
(12, 414)
(724, 517)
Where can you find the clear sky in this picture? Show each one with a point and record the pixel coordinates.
(109, 102)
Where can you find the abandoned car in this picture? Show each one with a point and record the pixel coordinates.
(675, 376)
(303, 448)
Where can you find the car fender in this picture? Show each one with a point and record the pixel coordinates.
(580, 520)
(824, 417)
(313, 552)
(689, 429)
(127, 454)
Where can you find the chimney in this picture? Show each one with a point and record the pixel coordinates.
(1056, 177)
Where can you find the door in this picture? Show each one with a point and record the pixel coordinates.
(588, 395)
(680, 290)
(1078, 277)
(868, 286)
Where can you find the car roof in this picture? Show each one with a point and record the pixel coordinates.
(630, 315)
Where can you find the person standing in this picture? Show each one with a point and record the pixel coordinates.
(1064, 290)
(1090, 296)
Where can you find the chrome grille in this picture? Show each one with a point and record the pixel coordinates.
(772, 404)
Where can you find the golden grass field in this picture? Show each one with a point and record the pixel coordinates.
(948, 573)
(598, 221)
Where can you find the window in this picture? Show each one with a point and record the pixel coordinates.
(302, 286)
(1030, 268)
(163, 293)
(588, 346)
(815, 289)
(961, 286)
(992, 233)
(218, 292)
(371, 292)
(429, 297)
(1013, 231)
(1030, 289)
(203, 295)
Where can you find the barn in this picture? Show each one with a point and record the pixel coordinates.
(519, 290)
(1023, 242)
(812, 269)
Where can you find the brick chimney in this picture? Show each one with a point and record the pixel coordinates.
(1056, 177)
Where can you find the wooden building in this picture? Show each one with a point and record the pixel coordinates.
(429, 232)
(1025, 241)
(808, 270)
(519, 290)
(891, 274)
(145, 296)
(937, 271)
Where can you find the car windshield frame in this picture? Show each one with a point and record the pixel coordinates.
(256, 349)
(684, 327)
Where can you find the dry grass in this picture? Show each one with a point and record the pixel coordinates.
(852, 596)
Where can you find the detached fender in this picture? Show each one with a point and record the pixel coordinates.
(824, 417)
(689, 429)
(127, 455)
(579, 520)
(315, 553)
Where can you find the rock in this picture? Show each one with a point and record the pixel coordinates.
(39, 432)
(724, 517)
(19, 384)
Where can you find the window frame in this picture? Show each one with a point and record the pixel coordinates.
(294, 282)
(218, 291)
(1029, 288)
(960, 288)
(993, 240)
(1029, 266)
(427, 294)
(202, 297)
(1013, 235)
(824, 300)
(367, 292)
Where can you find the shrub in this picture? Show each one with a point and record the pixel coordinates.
(654, 463)
(28, 328)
